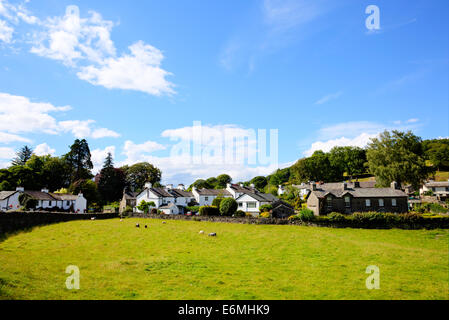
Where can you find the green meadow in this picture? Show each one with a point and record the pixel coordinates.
(173, 261)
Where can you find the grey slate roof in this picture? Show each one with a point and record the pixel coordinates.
(434, 184)
(337, 190)
(161, 192)
(177, 193)
(6, 194)
(214, 192)
(39, 195)
(64, 197)
(262, 197)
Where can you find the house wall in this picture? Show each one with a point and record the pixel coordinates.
(80, 205)
(313, 203)
(243, 201)
(358, 205)
(10, 201)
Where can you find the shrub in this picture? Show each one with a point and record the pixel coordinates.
(410, 218)
(128, 209)
(336, 217)
(239, 213)
(193, 209)
(437, 208)
(154, 211)
(265, 214)
(428, 193)
(374, 218)
(228, 207)
(266, 208)
(216, 202)
(209, 211)
(27, 201)
(306, 215)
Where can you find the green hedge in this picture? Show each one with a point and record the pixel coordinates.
(209, 211)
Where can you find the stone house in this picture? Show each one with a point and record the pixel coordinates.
(128, 199)
(347, 199)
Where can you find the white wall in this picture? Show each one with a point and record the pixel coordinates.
(243, 201)
(10, 201)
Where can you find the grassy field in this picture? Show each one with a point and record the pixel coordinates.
(173, 261)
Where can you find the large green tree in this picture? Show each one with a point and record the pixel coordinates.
(350, 160)
(222, 181)
(397, 156)
(111, 181)
(79, 158)
(259, 182)
(316, 168)
(139, 174)
(437, 151)
(88, 188)
(22, 156)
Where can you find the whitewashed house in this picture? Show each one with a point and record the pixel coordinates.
(45, 200)
(171, 209)
(162, 197)
(251, 202)
(439, 189)
(205, 197)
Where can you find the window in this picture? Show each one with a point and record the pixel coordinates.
(393, 202)
(240, 204)
(368, 202)
(348, 201)
(206, 198)
(251, 205)
(329, 202)
(381, 202)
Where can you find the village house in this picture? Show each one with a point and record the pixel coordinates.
(205, 197)
(9, 200)
(128, 200)
(349, 198)
(439, 189)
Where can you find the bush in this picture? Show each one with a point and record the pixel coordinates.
(209, 211)
(128, 209)
(228, 207)
(193, 209)
(266, 208)
(27, 201)
(216, 202)
(265, 215)
(336, 217)
(239, 213)
(427, 207)
(374, 218)
(154, 211)
(306, 215)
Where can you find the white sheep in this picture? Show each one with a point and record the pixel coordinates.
(201, 232)
(212, 234)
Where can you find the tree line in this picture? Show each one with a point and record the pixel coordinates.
(72, 173)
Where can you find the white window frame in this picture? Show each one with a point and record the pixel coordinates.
(381, 203)
(249, 205)
(329, 202)
(394, 203)
(368, 202)
(347, 201)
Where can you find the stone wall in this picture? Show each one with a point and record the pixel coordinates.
(17, 221)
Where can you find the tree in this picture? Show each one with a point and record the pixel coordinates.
(25, 177)
(349, 160)
(111, 181)
(56, 173)
(23, 155)
(139, 174)
(437, 151)
(279, 177)
(222, 181)
(397, 156)
(87, 187)
(216, 202)
(259, 182)
(79, 158)
(316, 168)
(228, 207)
(201, 184)
(146, 206)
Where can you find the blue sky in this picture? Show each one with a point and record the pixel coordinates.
(132, 77)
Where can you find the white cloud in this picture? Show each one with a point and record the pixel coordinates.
(70, 38)
(6, 32)
(139, 71)
(360, 141)
(99, 155)
(135, 152)
(414, 120)
(8, 138)
(7, 153)
(43, 150)
(20, 115)
(104, 133)
(329, 97)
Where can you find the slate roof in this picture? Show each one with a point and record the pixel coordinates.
(243, 189)
(39, 195)
(130, 195)
(161, 192)
(262, 197)
(6, 194)
(177, 193)
(64, 197)
(168, 206)
(434, 184)
(214, 192)
(338, 191)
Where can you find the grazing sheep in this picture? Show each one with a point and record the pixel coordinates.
(212, 234)
(93, 218)
(201, 232)
(163, 222)
(137, 225)
(146, 226)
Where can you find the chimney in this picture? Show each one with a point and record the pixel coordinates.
(169, 186)
(80, 195)
(252, 185)
(21, 189)
(394, 185)
(356, 184)
(45, 190)
(345, 186)
(228, 185)
(148, 185)
(181, 186)
(241, 185)
(313, 186)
